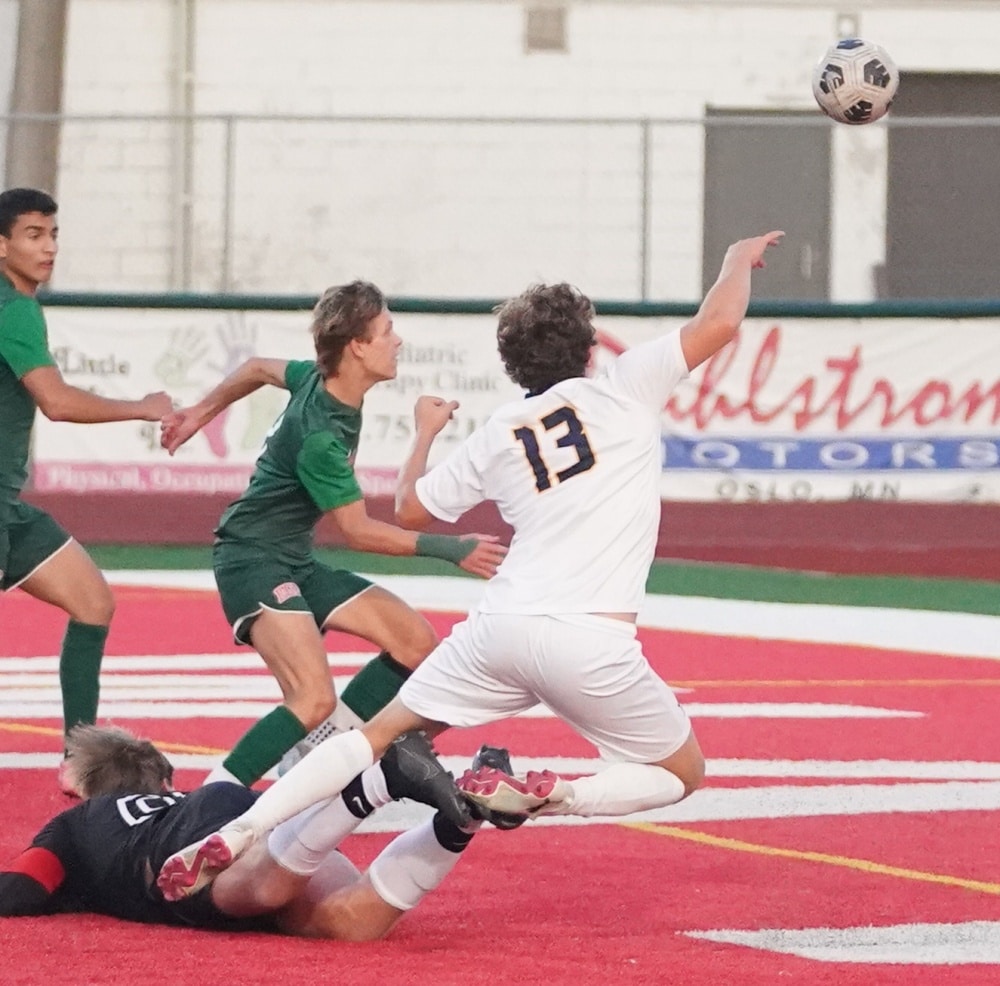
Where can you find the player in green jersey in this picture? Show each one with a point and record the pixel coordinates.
(36, 554)
(275, 594)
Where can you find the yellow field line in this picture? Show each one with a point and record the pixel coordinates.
(864, 865)
(23, 727)
(833, 682)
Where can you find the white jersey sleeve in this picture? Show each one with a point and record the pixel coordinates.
(649, 372)
(455, 485)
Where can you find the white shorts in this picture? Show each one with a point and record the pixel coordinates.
(589, 670)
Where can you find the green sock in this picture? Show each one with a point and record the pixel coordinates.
(375, 685)
(80, 671)
(264, 744)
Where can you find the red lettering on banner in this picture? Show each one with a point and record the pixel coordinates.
(932, 402)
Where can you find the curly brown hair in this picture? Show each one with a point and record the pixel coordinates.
(342, 314)
(545, 335)
(110, 760)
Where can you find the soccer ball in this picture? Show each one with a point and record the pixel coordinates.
(855, 81)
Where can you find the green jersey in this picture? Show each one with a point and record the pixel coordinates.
(24, 346)
(306, 468)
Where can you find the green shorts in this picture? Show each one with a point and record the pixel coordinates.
(28, 538)
(248, 588)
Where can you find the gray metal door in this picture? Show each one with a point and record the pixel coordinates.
(943, 204)
(761, 176)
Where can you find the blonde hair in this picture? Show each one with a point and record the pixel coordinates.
(111, 760)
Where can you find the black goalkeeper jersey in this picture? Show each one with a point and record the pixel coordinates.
(102, 856)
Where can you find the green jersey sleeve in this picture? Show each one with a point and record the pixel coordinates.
(326, 472)
(24, 342)
(297, 372)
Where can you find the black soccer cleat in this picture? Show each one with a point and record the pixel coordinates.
(412, 770)
(497, 758)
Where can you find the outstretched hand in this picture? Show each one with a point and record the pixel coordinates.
(756, 245)
(177, 427)
(485, 558)
(154, 406)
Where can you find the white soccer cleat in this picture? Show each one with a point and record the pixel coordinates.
(197, 865)
(498, 791)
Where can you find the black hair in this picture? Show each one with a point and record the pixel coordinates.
(15, 202)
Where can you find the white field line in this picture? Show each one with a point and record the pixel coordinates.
(707, 805)
(820, 770)
(966, 943)
(229, 698)
(918, 631)
(247, 660)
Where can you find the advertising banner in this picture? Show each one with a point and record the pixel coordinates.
(797, 409)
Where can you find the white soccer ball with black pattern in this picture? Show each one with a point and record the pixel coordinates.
(855, 81)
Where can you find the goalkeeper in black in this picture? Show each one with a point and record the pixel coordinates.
(102, 855)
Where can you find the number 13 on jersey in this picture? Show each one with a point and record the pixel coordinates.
(573, 436)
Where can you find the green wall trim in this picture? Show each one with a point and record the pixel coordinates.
(666, 577)
(894, 308)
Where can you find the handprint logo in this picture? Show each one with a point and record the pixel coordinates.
(238, 342)
(186, 348)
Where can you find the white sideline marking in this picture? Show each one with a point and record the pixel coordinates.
(941, 770)
(971, 942)
(918, 631)
(247, 660)
(711, 804)
(735, 804)
(254, 696)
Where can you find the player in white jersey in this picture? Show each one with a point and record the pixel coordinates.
(575, 470)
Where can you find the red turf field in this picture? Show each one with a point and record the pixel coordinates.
(878, 828)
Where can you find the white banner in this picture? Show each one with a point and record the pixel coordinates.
(793, 410)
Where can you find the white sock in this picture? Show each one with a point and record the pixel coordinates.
(619, 790)
(318, 776)
(304, 841)
(412, 865)
(339, 721)
(374, 785)
(221, 774)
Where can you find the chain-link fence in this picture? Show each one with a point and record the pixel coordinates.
(475, 207)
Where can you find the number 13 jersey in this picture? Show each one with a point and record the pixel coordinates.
(576, 473)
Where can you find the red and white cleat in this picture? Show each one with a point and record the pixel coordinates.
(197, 865)
(498, 791)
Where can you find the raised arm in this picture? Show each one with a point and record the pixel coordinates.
(430, 415)
(177, 427)
(61, 401)
(478, 554)
(725, 305)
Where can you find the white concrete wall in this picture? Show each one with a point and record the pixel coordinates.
(8, 43)
(459, 210)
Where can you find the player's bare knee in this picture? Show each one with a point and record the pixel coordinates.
(688, 765)
(694, 776)
(94, 606)
(416, 644)
(312, 709)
